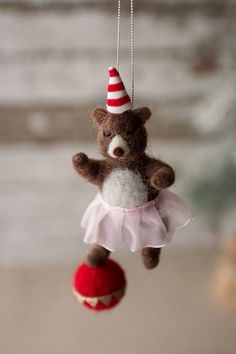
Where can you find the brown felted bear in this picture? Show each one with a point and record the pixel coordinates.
(133, 204)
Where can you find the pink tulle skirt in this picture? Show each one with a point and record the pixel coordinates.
(150, 225)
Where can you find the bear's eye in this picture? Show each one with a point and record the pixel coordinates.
(106, 133)
(131, 130)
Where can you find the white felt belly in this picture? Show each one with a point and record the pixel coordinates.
(125, 189)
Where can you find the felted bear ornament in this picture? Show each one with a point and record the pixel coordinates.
(133, 205)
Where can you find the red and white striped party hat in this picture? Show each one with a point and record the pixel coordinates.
(118, 100)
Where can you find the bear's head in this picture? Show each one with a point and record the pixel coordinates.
(121, 136)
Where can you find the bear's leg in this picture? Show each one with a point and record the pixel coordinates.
(97, 256)
(150, 257)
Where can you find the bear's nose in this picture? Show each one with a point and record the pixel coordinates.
(118, 152)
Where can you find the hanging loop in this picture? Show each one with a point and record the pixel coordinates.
(132, 76)
(132, 48)
(118, 36)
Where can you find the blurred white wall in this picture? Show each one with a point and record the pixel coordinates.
(54, 57)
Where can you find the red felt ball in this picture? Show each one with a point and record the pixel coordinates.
(99, 288)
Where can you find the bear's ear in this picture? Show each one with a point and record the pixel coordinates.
(143, 114)
(98, 115)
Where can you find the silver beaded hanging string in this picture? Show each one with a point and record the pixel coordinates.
(131, 44)
(132, 48)
(118, 36)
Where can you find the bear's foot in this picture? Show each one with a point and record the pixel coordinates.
(150, 257)
(97, 256)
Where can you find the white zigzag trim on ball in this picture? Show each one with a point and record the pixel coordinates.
(105, 299)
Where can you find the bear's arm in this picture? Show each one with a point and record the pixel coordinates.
(160, 174)
(90, 169)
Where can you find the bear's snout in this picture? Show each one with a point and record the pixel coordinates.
(118, 147)
(118, 152)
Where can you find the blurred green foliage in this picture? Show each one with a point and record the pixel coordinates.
(214, 191)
